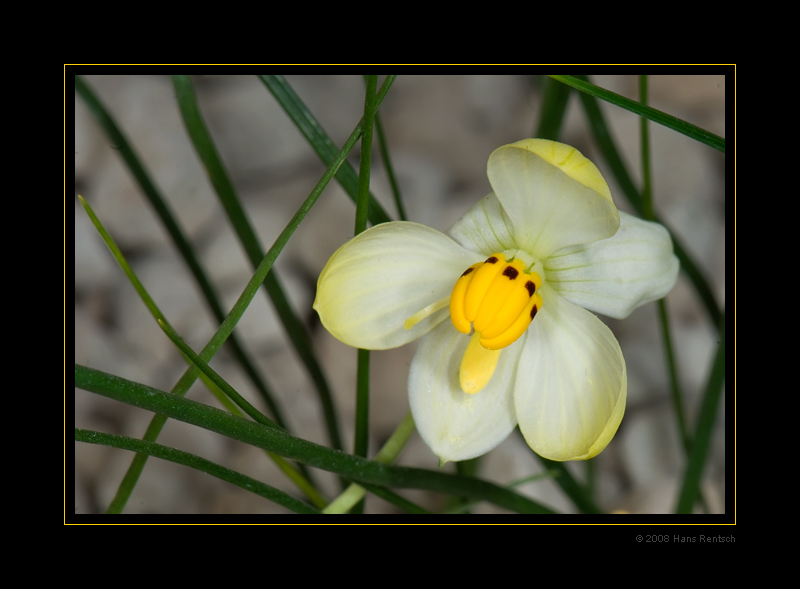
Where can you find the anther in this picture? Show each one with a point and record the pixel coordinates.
(498, 299)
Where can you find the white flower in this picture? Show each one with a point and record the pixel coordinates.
(557, 249)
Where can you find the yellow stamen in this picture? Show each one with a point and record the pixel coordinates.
(429, 310)
(498, 299)
(477, 366)
(477, 288)
(497, 294)
(516, 329)
(515, 303)
(460, 322)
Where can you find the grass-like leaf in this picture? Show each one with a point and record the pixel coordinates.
(701, 442)
(319, 140)
(387, 163)
(605, 143)
(573, 489)
(206, 150)
(395, 499)
(217, 386)
(227, 326)
(146, 448)
(645, 111)
(362, 206)
(274, 440)
(666, 331)
(554, 105)
(210, 374)
(386, 455)
(140, 173)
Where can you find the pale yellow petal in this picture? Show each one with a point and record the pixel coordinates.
(484, 228)
(383, 277)
(618, 274)
(571, 383)
(552, 195)
(454, 424)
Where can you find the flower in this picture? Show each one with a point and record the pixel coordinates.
(522, 272)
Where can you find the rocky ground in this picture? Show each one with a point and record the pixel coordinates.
(441, 130)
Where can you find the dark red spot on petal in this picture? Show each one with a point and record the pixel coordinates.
(511, 272)
(533, 312)
(531, 288)
(492, 260)
(467, 271)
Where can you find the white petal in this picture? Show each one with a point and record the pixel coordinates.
(571, 382)
(382, 277)
(484, 228)
(454, 424)
(553, 196)
(616, 275)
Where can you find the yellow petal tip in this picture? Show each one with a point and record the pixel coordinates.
(477, 366)
(570, 161)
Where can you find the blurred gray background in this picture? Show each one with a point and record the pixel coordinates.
(440, 131)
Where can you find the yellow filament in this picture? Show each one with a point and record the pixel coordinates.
(430, 309)
(477, 366)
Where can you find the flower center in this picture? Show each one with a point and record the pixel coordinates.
(499, 300)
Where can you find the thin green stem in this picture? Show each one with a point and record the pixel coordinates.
(227, 326)
(170, 222)
(464, 506)
(387, 163)
(672, 370)
(648, 212)
(386, 455)
(709, 406)
(395, 499)
(590, 472)
(361, 444)
(319, 140)
(254, 434)
(573, 489)
(554, 105)
(218, 387)
(123, 263)
(397, 441)
(362, 204)
(294, 475)
(662, 118)
(226, 388)
(606, 145)
(137, 284)
(223, 186)
(176, 456)
(647, 188)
